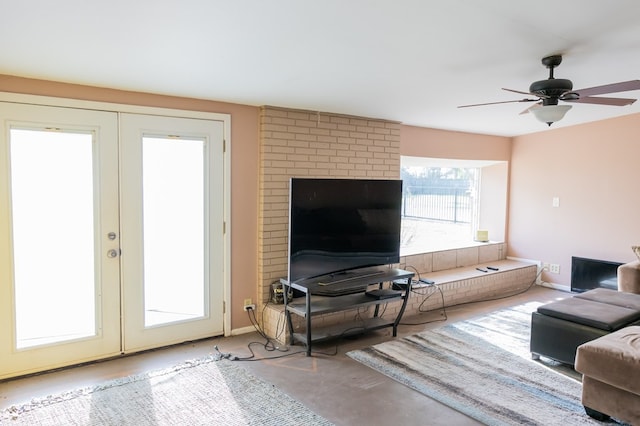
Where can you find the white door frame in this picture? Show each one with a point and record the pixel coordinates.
(114, 107)
(104, 338)
(208, 135)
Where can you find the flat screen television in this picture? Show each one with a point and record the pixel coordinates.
(338, 225)
(587, 274)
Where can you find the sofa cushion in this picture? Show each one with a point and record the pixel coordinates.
(594, 314)
(612, 297)
(613, 359)
(629, 277)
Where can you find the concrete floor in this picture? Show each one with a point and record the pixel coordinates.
(329, 383)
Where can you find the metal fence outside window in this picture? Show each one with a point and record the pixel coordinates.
(433, 203)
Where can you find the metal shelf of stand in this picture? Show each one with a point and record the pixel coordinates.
(349, 294)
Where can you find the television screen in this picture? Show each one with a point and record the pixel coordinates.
(336, 225)
(587, 274)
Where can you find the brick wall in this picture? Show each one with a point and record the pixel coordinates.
(297, 143)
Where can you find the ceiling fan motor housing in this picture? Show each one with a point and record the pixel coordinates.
(551, 90)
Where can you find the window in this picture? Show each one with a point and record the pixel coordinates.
(446, 201)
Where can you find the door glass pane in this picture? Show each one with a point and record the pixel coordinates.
(173, 227)
(53, 236)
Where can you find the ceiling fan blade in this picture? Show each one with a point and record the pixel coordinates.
(526, 111)
(602, 101)
(623, 86)
(517, 91)
(526, 93)
(501, 102)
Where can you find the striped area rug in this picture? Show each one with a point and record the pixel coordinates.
(197, 392)
(482, 368)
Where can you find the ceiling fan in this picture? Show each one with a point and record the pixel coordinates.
(552, 90)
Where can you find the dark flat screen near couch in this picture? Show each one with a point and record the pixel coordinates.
(587, 274)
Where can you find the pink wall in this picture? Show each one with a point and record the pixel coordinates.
(591, 168)
(494, 201)
(434, 143)
(244, 167)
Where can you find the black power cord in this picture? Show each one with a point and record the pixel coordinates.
(269, 345)
(221, 355)
(428, 296)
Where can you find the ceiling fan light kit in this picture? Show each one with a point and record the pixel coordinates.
(552, 90)
(550, 113)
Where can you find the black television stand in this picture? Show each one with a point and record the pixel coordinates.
(350, 278)
(350, 294)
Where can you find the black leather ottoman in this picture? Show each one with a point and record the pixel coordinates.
(558, 328)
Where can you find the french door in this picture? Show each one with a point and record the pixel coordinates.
(110, 234)
(172, 229)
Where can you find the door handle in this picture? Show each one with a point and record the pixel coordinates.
(112, 253)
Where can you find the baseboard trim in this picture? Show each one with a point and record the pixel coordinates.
(554, 286)
(243, 330)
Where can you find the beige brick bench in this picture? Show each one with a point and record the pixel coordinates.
(467, 284)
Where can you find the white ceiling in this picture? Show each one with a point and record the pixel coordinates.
(412, 61)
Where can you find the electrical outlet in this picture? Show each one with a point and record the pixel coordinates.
(248, 304)
(545, 266)
(554, 268)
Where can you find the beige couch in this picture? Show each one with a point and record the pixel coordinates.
(610, 367)
(629, 277)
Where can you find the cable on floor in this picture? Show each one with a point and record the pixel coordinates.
(270, 345)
